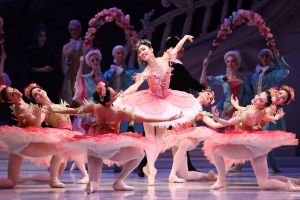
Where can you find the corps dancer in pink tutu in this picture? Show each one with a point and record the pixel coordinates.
(248, 142)
(158, 100)
(36, 94)
(28, 141)
(186, 137)
(103, 141)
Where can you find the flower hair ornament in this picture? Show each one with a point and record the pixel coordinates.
(28, 90)
(101, 89)
(290, 91)
(274, 92)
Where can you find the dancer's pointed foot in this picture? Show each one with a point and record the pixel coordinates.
(146, 170)
(175, 179)
(84, 180)
(55, 183)
(119, 185)
(151, 177)
(211, 176)
(292, 187)
(91, 187)
(219, 184)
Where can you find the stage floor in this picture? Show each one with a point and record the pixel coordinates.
(241, 186)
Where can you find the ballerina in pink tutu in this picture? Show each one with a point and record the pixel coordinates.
(28, 140)
(248, 142)
(186, 137)
(158, 100)
(103, 141)
(39, 96)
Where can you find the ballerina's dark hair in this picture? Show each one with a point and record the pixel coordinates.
(3, 95)
(269, 98)
(103, 99)
(143, 42)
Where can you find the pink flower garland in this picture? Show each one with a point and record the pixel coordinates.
(110, 15)
(239, 18)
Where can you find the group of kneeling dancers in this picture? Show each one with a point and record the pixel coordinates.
(159, 108)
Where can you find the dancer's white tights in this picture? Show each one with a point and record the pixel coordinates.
(154, 134)
(259, 165)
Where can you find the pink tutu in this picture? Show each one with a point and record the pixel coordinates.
(15, 139)
(259, 142)
(145, 103)
(160, 102)
(104, 146)
(196, 134)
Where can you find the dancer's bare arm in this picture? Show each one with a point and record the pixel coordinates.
(232, 121)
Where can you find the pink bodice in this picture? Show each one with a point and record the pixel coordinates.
(103, 127)
(160, 87)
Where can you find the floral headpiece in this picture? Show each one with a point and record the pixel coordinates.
(290, 91)
(29, 88)
(274, 92)
(101, 89)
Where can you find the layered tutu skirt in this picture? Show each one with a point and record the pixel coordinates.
(14, 139)
(145, 103)
(195, 134)
(103, 146)
(258, 142)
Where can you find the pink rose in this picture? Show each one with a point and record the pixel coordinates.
(92, 30)
(92, 22)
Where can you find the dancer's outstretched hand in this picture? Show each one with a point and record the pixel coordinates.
(234, 101)
(215, 112)
(279, 114)
(189, 38)
(37, 111)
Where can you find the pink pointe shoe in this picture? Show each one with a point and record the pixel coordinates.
(151, 177)
(55, 183)
(91, 187)
(84, 180)
(175, 179)
(292, 187)
(121, 186)
(219, 184)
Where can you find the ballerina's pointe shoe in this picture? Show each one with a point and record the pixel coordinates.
(146, 170)
(292, 187)
(91, 187)
(84, 180)
(151, 177)
(211, 176)
(56, 183)
(218, 185)
(121, 186)
(175, 179)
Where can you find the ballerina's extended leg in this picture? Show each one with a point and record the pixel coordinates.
(132, 156)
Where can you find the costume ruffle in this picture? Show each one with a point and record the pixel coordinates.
(145, 103)
(259, 142)
(104, 146)
(15, 139)
(195, 134)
